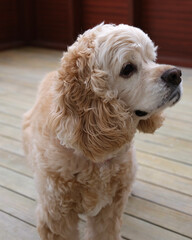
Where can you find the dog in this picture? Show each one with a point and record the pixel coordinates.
(78, 136)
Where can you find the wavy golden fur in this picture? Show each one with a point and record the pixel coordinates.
(102, 124)
(78, 136)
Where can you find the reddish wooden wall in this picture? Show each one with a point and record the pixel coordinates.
(47, 23)
(96, 11)
(169, 24)
(10, 27)
(56, 23)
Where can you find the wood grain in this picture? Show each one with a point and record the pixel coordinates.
(169, 25)
(96, 11)
(13, 229)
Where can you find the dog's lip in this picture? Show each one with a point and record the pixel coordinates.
(178, 95)
(175, 95)
(171, 99)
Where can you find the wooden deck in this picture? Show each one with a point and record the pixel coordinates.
(161, 205)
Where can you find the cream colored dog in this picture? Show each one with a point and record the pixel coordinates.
(78, 135)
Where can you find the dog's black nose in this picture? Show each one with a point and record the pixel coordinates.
(172, 77)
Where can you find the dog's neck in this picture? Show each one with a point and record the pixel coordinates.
(117, 156)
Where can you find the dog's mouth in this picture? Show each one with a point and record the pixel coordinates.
(168, 101)
(171, 99)
(140, 113)
(175, 97)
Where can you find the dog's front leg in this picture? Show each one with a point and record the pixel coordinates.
(63, 228)
(106, 225)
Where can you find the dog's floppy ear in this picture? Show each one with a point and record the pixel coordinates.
(151, 124)
(87, 116)
(104, 129)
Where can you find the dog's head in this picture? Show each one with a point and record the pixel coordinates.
(109, 85)
(128, 57)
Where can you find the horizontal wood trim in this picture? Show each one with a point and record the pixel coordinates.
(8, 45)
(46, 44)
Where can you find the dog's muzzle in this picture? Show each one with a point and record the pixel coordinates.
(172, 79)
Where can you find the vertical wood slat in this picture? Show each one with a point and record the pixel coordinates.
(169, 24)
(56, 23)
(48, 23)
(9, 24)
(26, 10)
(109, 11)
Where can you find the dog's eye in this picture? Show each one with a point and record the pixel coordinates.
(128, 70)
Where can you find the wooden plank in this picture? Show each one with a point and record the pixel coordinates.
(183, 106)
(176, 132)
(166, 141)
(15, 103)
(159, 215)
(10, 120)
(162, 151)
(10, 132)
(10, 110)
(27, 53)
(179, 116)
(22, 67)
(165, 165)
(136, 229)
(13, 229)
(11, 145)
(162, 196)
(165, 180)
(9, 87)
(15, 162)
(20, 77)
(179, 124)
(24, 97)
(14, 181)
(18, 206)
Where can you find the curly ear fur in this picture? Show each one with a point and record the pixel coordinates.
(151, 124)
(86, 115)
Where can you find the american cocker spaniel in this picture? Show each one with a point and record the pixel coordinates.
(78, 135)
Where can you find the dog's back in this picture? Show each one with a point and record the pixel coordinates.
(34, 120)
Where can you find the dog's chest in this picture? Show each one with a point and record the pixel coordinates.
(98, 187)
